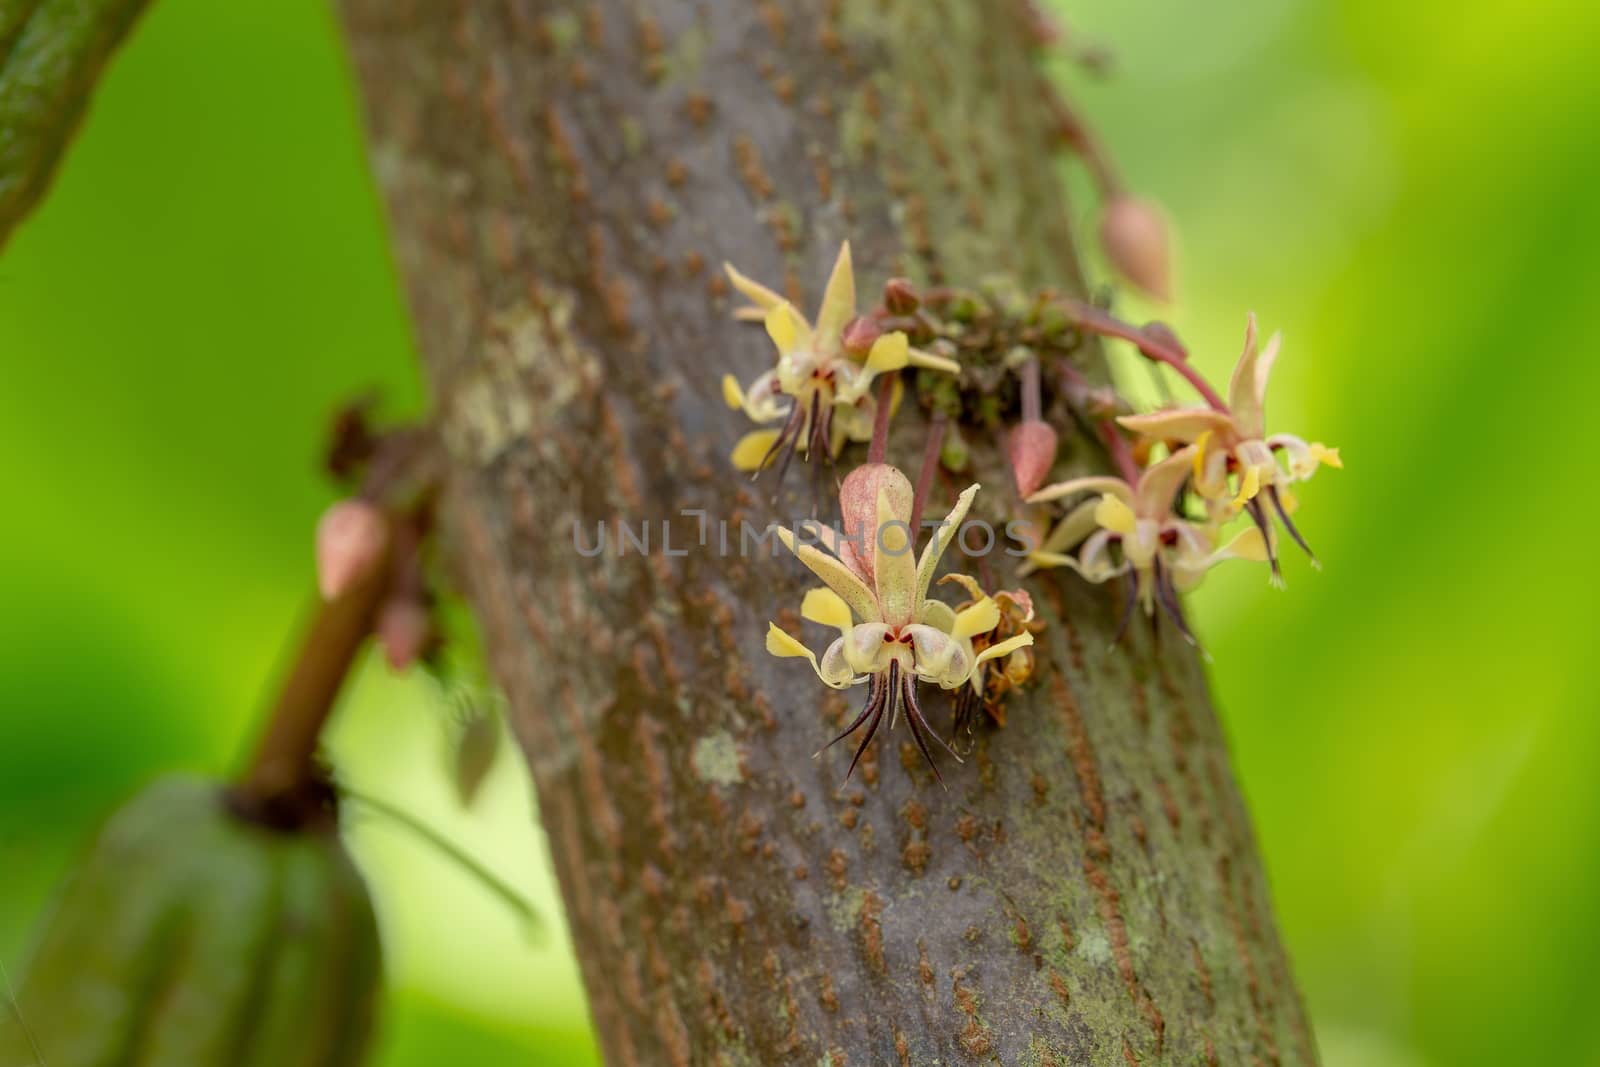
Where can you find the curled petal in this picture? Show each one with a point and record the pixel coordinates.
(1304, 459)
(965, 581)
(1094, 560)
(783, 644)
(866, 650)
(753, 448)
(835, 667)
(939, 656)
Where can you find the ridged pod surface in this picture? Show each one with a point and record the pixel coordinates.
(191, 936)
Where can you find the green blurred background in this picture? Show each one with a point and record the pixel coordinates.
(1407, 191)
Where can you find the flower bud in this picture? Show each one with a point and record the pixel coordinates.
(900, 296)
(859, 336)
(405, 630)
(351, 538)
(1031, 448)
(1134, 237)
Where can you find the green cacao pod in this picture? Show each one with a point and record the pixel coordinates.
(191, 936)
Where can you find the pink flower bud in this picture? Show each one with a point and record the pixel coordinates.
(1031, 448)
(858, 509)
(351, 538)
(405, 630)
(1042, 26)
(859, 335)
(900, 296)
(1134, 237)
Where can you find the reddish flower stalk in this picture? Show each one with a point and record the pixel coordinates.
(1078, 135)
(1156, 348)
(1117, 445)
(930, 464)
(1031, 401)
(879, 448)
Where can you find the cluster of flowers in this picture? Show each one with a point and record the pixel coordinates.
(875, 591)
(1137, 525)
(1140, 527)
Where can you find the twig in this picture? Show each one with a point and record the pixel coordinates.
(1158, 349)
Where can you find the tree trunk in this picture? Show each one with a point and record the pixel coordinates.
(564, 182)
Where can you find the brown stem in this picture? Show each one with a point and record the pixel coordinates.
(283, 766)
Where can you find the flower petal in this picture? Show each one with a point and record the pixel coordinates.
(835, 669)
(941, 540)
(938, 614)
(980, 618)
(753, 291)
(889, 352)
(1159, 485)
(1099, 483)
(732, 394)
(918, 358)
(1079, 523)
(1178, 424)
(965, 581)
(1001, 648)
(838, 300)
(1113, 513)
(940, 657)
(787, 328)
(826, 607)
(752, 448)
(894, 561)
(835, 575)
(785, 645)
(1249, 486)
(1247, 389)
(866, 650)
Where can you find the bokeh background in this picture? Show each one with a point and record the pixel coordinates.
(1407, 191)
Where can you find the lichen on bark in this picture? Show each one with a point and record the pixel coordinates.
(563, 182)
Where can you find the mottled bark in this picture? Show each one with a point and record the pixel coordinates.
(563, 183)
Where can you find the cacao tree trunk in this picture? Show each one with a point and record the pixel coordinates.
(564, 181)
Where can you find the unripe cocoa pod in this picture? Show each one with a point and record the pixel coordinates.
(190, 936)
